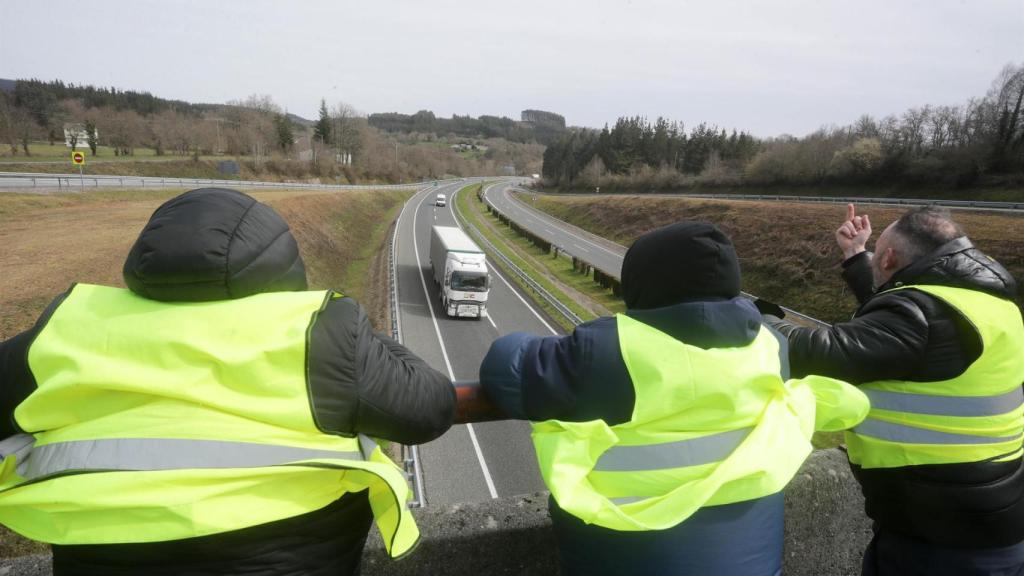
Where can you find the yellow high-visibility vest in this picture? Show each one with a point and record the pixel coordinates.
(978, 415)
(708, 427)
(157, 421)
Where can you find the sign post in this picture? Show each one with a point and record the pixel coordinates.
(78, 159)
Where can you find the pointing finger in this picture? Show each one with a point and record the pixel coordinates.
(850, 211)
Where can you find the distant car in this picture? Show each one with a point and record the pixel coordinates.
(440, 200)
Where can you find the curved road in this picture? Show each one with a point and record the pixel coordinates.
(471, 462)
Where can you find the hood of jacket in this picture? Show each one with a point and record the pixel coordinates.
(705, 324)
(213, 244)
(959, 264)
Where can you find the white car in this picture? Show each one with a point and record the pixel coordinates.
(440, 200)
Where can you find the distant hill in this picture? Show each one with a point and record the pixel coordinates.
(536, 125)
(7, 85)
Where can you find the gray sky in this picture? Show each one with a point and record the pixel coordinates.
(769, 67)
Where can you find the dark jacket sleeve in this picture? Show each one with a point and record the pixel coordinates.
(575, 378)
(886, 340)
(361, 382)
(401, 398)
(16, 379)
(857, 274)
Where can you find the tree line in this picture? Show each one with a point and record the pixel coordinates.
(340, 145)
(948, 146)
(543, 128)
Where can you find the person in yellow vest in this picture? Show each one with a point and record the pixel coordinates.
(937, 344)
(216, 417)
(667, 434)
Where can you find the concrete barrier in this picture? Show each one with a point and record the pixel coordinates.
(826, 532)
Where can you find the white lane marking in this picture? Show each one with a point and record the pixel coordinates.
(569, 232)
(491, 320)
(444, 352)
(502, 276)
(581, 248)
(394, 264)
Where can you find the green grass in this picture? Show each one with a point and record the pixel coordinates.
(560, 268)
(357, 278)
(465, 208)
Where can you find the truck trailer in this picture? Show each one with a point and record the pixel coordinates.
(460, 271)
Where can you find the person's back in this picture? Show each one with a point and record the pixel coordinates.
(667, 433)
(215, 418)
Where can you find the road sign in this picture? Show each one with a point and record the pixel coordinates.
(78, 158)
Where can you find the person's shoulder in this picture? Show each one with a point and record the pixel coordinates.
(908, 302)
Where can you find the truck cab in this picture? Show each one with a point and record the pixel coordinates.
(440, 200)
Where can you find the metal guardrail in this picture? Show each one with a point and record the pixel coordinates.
(975, 204)
(536, 287)
(410, 455)
(72, 181)
(1012, 206)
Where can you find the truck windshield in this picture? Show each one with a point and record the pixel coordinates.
(469, 282)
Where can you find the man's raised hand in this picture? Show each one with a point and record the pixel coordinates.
(852, 235)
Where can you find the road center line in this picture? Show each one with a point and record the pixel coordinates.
(444, 352)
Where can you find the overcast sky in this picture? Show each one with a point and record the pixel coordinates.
(769, 67)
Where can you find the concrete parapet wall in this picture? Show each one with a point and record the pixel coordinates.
(826, 532)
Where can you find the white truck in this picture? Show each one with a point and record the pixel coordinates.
(460, 271)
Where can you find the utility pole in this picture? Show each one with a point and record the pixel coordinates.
(396, 153)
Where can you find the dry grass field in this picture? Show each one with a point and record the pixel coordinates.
(787, 251)
(48, 242)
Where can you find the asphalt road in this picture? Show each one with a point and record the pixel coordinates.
(471, 462)
(597, 251)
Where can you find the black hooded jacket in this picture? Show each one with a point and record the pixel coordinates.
(216, 244)
(911, 335)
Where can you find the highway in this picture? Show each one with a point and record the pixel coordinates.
(472, 462)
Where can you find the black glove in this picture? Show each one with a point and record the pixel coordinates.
(769, 308)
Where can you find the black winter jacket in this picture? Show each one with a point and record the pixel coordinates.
(911, 335)
(222, 244)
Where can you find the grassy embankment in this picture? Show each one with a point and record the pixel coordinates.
(51, 241)
(578, 292)
(787, 250)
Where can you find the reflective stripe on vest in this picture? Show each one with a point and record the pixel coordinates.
(946, 405)
(156, 421)
(693, 452)
(708, 427)
(147, 454)
(976, 416)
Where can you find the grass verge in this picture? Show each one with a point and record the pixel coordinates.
(468, 209)
(579, 290)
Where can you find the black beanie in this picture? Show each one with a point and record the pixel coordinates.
(213, 244)
(685, 261)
